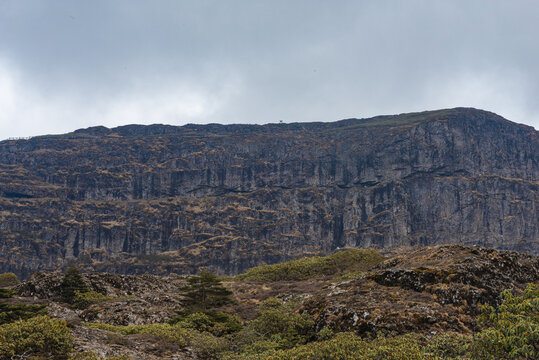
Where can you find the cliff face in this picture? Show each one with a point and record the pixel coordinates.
(162, 198)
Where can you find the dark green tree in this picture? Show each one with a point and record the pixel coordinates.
(204, 292)
(72, 282)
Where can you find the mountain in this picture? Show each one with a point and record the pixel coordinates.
(166, 199)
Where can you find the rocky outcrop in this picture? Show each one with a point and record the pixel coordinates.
(430, 290)
(165, 199)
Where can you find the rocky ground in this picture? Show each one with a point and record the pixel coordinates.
(428, 291)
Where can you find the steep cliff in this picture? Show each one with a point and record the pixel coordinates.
(171, 199)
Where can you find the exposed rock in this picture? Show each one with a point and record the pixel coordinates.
(164, 199)
(432, 289)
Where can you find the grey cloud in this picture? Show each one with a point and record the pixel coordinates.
(66, 64)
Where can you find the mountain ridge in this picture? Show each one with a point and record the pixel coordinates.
(229, 197)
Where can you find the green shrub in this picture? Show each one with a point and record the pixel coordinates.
(13, 312)
(325, 334)
(512, 328)
(40, 335)
(207, 346)
(173, 333)
(8, 279)
(276, 325)
(6, 293)
(82, 300)
(347, 346)
(346, 261)
(449, 345)
(394, 348)
(217, 323)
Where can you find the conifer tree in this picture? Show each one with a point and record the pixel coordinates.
(204, 292)
(71, 282)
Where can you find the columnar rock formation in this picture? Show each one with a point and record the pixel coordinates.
(172, 199)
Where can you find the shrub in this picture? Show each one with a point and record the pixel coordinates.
(276, 325)
(13, 312)
(173, 333)
(40, 335)
(512, 328)
(325, 334)
(346, 261)
(8, 279)
(82, 300)
(208, 346)
(6, 293)
(217, 323)
(448, 345)
(71, 283)
(347, 346)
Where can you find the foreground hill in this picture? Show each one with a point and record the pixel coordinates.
(171, 199)
(423, 301)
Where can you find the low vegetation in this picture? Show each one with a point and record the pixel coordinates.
(6, 293)
(174, 333)
(281, 328)
(8, 279)
(81, 300)
(339, 263)
(512, 329)
(40, 335)
(13, 312)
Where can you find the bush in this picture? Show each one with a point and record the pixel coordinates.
(6, 293)
(346, 261)
(8, 279)
(448, 346)
(217, 323)
(173, 333)
(40, 335)
(207, 346)
(82, 300)
(278, 326)
(13, 312)
(347, 346)
(512, 328)
(325, 334)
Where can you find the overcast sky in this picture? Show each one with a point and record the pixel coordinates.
(71, 64)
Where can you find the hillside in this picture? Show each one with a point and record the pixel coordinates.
(168, 199)
(412, 302)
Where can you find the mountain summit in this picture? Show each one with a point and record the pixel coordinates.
(228, 197)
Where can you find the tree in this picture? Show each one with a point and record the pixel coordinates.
(204, 292)
(72, 282)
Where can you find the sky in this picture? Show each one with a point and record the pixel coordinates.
(67, 64)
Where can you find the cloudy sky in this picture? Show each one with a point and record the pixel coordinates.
(68, 64)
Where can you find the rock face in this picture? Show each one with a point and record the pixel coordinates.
(166, 199)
